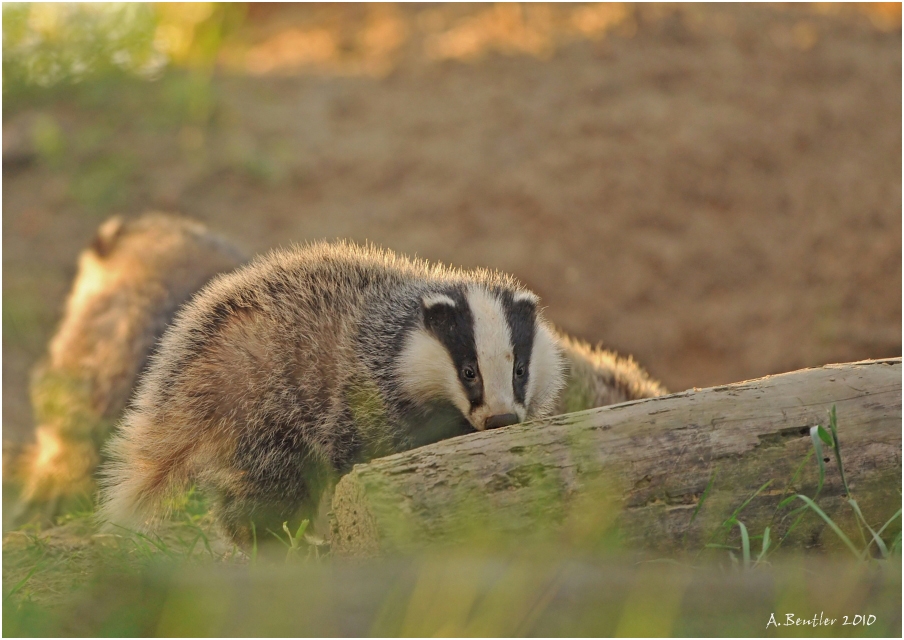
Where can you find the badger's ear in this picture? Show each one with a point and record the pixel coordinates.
(437, 310)
(521, 308)
(106, 236)
(525, 297)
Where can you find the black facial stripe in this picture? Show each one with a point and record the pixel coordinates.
(454, 328)
(521, 316)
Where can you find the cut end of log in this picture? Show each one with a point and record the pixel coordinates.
(353, 527)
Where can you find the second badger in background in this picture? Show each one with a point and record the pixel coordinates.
(131, 280)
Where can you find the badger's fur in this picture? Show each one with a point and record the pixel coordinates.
(129, 284)
(597, 377)
(284, 373)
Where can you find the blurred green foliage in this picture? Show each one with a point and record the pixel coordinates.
(49, 141)
(103, 184)
(146, 64)
(47, 45)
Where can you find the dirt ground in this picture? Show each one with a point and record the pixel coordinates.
(715, 190)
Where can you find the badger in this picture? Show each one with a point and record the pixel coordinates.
(130, 281)
(279, 376)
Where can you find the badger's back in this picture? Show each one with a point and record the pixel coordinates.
(271, 342)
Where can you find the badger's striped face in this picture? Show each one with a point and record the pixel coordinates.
(487, 353)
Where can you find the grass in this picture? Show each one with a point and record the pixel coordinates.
(819, 436)
(185, 580)
(519, 592)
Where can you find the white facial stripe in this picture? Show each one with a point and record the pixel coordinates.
(525, 296)
(426, 371)
(493, 343)
(433, 299)
(545, 379)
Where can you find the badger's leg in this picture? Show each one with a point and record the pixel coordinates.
(248, 521)
(270, 483)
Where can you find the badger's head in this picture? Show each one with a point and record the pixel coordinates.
(489, 353)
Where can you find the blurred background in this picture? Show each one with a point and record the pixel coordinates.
(714, 189)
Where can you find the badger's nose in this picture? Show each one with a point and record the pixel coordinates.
(502, 420)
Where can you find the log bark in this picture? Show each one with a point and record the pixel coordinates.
(640, 469)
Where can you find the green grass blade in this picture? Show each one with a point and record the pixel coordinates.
(191, 548)
(203, 538)
(141, 546)
(878, 534)
(793, 479)
(140, 541)
(879, 543)
(766, 543)
(733, 516)
(709, 486)
(890, 520)
(18, 586)
(302, 527)
(703, 497)
(279, 537)
(285, 527)
(745, 543)
(729, 522)
(159, 545)
(820, 456)
(833, 425)
(793, 525)
(789, 499)
(832, 525)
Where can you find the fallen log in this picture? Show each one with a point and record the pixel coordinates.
(641, 468)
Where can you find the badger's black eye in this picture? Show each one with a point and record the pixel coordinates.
(469, 373)
(519, 371)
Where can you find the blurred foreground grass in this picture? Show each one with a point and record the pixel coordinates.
(114, 586)
(185, 581)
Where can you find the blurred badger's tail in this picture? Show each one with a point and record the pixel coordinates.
(139, 481)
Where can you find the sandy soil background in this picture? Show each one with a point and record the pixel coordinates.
(713, 189)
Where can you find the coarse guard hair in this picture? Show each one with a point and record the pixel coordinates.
(279, 376)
